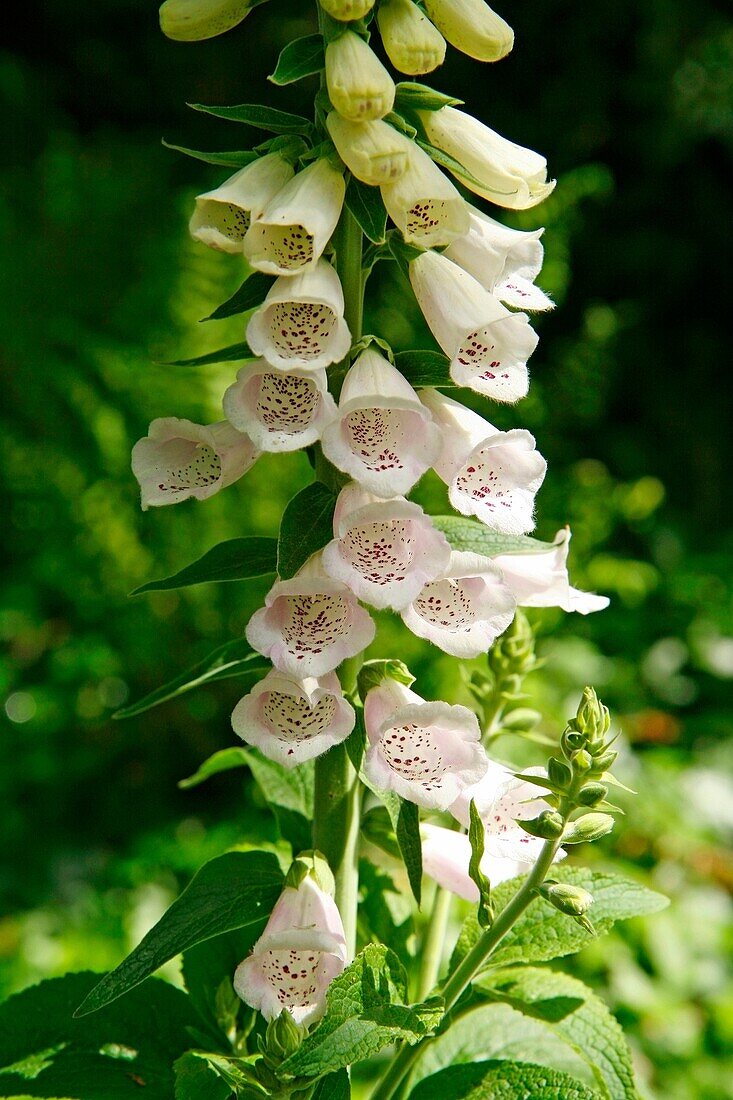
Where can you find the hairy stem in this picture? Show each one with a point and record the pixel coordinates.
(432, 953)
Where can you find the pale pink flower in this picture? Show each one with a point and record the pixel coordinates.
(424, 205)
(446, 856)
(279, 412)
(540, 578)
(223, 216)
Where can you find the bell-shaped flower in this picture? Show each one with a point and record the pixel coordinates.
(411, 42)
(301, 951)
(505, 261)
(179, 459)
(223, 216)
(472, 27)
(488, 345)
(384, 437)
(345, 11)
(423, 203)
(465, 609)
(372, 151)
(495, 168)
(296, 225)
(425, 752)
(490, 474)
(195, 20)
(310, 624)
(384, 550)
(279, 412)
(446, 856)
(359, 86)
(292, 720)
(301, 321)
(540, 578)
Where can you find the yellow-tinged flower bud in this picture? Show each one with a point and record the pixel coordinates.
(347, 10)
(413, 44)
(472, 27)
(359, 86)
(374, 151)
(194, 20)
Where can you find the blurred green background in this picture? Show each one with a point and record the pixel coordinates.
(633, 105)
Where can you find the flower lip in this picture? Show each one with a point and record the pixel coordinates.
(424, 205)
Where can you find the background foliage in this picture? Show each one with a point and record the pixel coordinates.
(633, 105)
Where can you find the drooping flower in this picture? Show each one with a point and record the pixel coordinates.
(292, 720)
(507, 174)
(424, 205)
(488, 345)
(425, 752)
(505, 261)
(301, 951)
(411, 42)
(472, 27)
(279, 412)
(373, 151)
(490, 474)
(310, 624)
(296, 225)
(446, 856)
(347, 10)
(464, 610)
(540, 579)
(223, 216)
(384, 436)
(179, 459)
(359, 86)
(384, 550)
(195, 20)
(301, 321)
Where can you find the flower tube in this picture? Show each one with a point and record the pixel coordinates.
(301, 321)
(222, 216)
(372, 151)
(412, 43)
(446, 856)
(488, 344)
(425, 752)
(384, 550)
(384, 437)
(472, 27)
(495, 168)
(359, 86)
(310, 624)
(180, 459)
(279, 412)
(296, 225)
(293, 720)
(490, 474)
(423, 203)
(195, 20)
(540, 578)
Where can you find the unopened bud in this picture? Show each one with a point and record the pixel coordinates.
(513, 653)
(412, 43)
(359, 86)
(558, 772)
(347, 10)
(373, 151)
(572, 900)
(582, 760)
(592, 794)
(571, 742)
(592, 717)
(472, 27)
(605, 760)
(548, 826)
(522, 719)
(195, 20)
(588, 828)
(283, 1037)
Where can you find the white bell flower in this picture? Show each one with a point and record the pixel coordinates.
(222, 216)
(279, 412)
(196, 20)
(411, 42)
(424, 205)
(540, 579)
(372, 151)
(310, 624)
(301, 321)
(384, 437)
(359, 86)
(472, 27)
(446, 856)
(384, 550)
(179, 459)
(490, 474)
(464, 610)
(292, 720)
(345, 11)
(425, 752)
(301, 951)
(488, 345)
(296, 225)
(509, 175)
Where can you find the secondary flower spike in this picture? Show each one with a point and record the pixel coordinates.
(279, 412)
(488, 345)
(426, 752)
(359, 86)
(490, 474)
(446, 855)
(464, 610)
(301, 321)
(292, 720)
(423, 203)
(301, 951)
(223, 216)
(472, 27)
(384, 550)
(384, 437)
(179, 459)
(310, 624)
(195, 20)
(496, 168)
(540, 578)
(411, 42)
(373, 151)
(296, 225)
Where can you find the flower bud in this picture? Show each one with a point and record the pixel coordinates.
(605, 760)
(588, 828)
(472, 27)
(283, 1037)
(572, 900)
(592, 717)
(592, 794)
(559, 772)
(195, 20)
(412, 43)
(359, 86)
(347, 10)
(548, 826)
(373, 151)
(582, 760)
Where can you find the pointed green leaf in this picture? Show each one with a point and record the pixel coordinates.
(423, 367)
(468, 534)
(235, 158)
(251, 293)
(230, 354)
(407, 831)
(305, 528)
(365, 203)
(334, 1087)
(301, 58)
(223, 761)
(233, 560)
(262, 118)
(476, 836)
(419, 97)
(501, 1081)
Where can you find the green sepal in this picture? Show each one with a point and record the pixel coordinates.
(373, 673)
(231, 354)
(260, 117)
(419, 97)
(234, 158)
(477, 838)
(251, 293)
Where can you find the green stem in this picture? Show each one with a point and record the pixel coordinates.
(432, 954)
